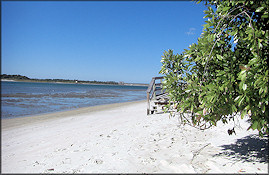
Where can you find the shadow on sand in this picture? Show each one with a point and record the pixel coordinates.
(247, 149)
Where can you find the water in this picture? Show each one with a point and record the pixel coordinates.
(20, 99)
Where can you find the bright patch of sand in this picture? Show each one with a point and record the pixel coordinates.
(121, 138)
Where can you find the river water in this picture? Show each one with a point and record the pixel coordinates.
(19, 99)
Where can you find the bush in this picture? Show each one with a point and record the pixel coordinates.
(226, 70)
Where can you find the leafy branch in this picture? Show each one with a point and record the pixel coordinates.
(236, 79)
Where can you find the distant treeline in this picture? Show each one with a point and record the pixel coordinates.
(14, 77)
(24, 78)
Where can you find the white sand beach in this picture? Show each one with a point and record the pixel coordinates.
(121, 138)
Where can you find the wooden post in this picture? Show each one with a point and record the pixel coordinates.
(148, 103)
(154, 92)
(161, 85)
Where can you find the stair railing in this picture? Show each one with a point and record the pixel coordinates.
(152, 89)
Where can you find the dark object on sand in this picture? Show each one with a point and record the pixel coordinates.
(231, 131)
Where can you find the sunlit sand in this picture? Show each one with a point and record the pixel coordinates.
(121, 138)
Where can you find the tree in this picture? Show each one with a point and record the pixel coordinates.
(226, 71)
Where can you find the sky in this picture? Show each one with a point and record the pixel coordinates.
(90, 40)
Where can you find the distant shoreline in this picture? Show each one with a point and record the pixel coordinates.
(60, 82)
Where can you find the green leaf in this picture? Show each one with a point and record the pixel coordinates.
(219, 57)
(243, 113)
(234, 109)
(254, 125)
(259, 9)
(243, 76)
(187, 91)
(260, 91)
(234, 32)
(242, 99)
(226, 9)
(259, 126)
(244, 87)
(199, 2)
(253, 61)
(237, 98)
(265, 15)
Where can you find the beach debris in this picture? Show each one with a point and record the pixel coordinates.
(51, 169)
(231, 131)
(98, 161)
(241, 171)
(153, 159)
(36, 163)
(198, 152)
(67, 161)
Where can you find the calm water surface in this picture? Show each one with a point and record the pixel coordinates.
(24, 98)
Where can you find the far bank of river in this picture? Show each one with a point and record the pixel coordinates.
(36, 81)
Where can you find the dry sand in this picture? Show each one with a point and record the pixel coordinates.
(121, 138)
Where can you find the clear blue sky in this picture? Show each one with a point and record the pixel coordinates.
(89, 40)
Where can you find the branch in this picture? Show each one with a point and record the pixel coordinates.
(198, 152)
(253, 32)
(190, 124)
(209, 57)
(226, 16)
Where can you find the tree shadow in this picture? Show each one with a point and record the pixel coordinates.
(251, 148)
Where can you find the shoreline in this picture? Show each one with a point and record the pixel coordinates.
(33, 81)
(30, 119)
(43, 98)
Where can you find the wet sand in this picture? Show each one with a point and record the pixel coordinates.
(28, 120)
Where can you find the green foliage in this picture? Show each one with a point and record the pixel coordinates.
(226, 71)
(14, 77)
